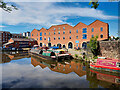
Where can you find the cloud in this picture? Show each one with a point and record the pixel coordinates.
(16, 75)
(2, 26)
(48, 13)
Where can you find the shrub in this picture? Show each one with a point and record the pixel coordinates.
(80, 58)
(93, 45)
(76, 55)
(95, 57)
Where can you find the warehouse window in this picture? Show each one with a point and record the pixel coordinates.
(76, 37)
(84, 36)
(76, 31)
(84, 30)
(101, 28)
(63, 27)
(54, 29)
(40, 33)
(44, 33)
(70, 31)
(49, 33)
(101, 35)
(59, 38)
(59, 32)
(40, 38)
(63, 37)
(70, 37)
(63, 32)
(54, 38)
(92, 35)
(92, 29)
(44, 38)
(54, 33)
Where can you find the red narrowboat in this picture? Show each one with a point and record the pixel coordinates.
(107, 64)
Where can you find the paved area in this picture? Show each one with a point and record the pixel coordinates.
(78, 52)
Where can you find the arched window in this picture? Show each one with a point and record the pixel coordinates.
(76, 37)
(59, 38)
(101, 35)
(59, 32)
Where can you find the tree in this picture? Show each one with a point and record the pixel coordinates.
(94, 3)
(93, 45)
(7, 7)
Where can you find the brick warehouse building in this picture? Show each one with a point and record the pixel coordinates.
(68, 36)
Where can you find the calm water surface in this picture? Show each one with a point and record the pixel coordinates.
(20, 70)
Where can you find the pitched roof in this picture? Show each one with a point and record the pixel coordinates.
(23, 39)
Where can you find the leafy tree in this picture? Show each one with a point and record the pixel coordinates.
(94, 3)
(93, 45)
(7, 7)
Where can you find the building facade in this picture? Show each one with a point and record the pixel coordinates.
(6, 36)
(26, 34)
(20, 43)
(67, 36)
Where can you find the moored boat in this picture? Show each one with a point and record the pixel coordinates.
(107, 64)
(47, 53)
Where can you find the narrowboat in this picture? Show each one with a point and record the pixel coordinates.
(50, 54)
(107, 64)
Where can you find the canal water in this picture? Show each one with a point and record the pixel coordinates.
(20, 70)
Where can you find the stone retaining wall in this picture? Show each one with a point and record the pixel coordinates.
(110, 49)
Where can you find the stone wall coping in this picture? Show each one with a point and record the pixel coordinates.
(108, 41)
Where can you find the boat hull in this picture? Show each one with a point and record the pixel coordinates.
(105, 68)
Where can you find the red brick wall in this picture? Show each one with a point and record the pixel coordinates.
(96, 25)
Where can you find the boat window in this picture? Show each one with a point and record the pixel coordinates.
(118, 64)
(52, 54)
(117, 80)
(41, 51)
(62, 52)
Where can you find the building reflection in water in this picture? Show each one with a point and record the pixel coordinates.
(61, 67)
(16, 55)
(96, 79)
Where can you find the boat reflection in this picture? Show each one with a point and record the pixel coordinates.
(8, 56)
(104, 79)
(61, 66)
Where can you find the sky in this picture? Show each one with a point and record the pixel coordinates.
(31, 15)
